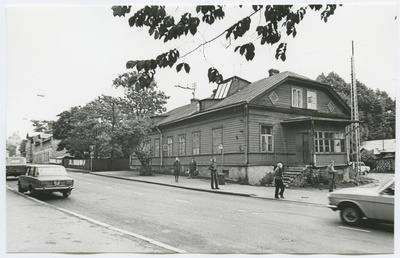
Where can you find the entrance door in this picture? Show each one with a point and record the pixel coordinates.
(303, 148)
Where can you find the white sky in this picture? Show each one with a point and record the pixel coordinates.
(71, 53)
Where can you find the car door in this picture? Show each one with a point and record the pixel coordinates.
(384, 206)
(23, 180)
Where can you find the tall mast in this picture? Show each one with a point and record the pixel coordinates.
(355, 128)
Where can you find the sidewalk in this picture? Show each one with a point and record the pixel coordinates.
(301, 195)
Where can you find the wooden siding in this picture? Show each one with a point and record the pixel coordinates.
(233, 138)
(284, 93)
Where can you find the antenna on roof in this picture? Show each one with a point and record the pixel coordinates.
(193, 88)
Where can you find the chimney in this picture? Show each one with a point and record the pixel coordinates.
(193, 100)
(272, 72)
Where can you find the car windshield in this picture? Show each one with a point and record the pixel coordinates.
(52, 171)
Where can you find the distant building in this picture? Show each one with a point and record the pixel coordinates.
(385, 153)
(250, 127)
(41, 148)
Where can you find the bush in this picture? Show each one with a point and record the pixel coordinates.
(268, 179)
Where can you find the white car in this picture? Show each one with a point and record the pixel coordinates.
(363, 169)
(356, 203)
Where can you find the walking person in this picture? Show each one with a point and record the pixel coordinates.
(278, 176)
(331, 176)
(192, 168)
(214, 175)
(177, 168)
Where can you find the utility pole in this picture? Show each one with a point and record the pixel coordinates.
(355, 127)
(112, 135)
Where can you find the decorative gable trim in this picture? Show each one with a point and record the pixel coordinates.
(273, 97)
(331, 106)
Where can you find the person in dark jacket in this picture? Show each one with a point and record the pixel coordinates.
(214, 176)
(331, 175)
(177, 168)
(192, 168)
(278, 176)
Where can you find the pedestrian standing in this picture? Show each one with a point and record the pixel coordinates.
(177, 168)
(192, 168)
(278, 176)
(214, 176)
(331, 175)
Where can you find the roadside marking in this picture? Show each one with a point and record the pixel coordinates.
(108, 187)
(242, 210)
(256, 213)
(152, 241)
(138, 193)
(355, 229)
(88, 183)
(180, 200)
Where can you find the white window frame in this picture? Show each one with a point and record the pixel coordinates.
(216, 141)
(312, 95)
(182, 145)
(170, 141)
(196, 143)
(157, 147)
(267, 138)
(329, 142)
(297, 97)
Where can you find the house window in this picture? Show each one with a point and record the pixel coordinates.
(157, 148)
(169, 147)
(311, 100)
(273, 97)
(196, 144)
(146, 145)
(266, 139)
(182, 145)
(217, 140)
(329, 142)
(339, 142)
(297, 98)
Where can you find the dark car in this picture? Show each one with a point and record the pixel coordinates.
(15, 166)
(45, 179)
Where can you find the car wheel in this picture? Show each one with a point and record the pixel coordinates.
(31, 191)
(20, 188)
(350, 215)
(66, 194)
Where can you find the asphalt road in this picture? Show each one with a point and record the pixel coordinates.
(202, 222)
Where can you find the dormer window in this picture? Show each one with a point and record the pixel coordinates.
(222, 90)
(297, 97)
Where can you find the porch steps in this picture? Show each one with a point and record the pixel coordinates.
(290, 173)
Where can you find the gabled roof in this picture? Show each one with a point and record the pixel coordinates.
(254, 89)
(245, 95)
(382, 146)
(178, 113)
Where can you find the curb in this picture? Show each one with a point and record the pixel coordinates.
(176, 186)
(211, 191)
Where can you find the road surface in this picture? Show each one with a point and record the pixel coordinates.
(203, 222)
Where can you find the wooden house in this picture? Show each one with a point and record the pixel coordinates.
(250, 127)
